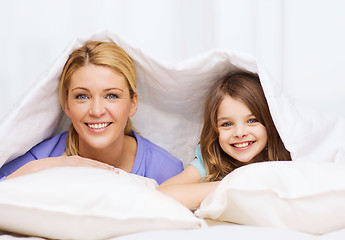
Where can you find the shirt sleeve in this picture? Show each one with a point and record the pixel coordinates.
(49, 148)
(15, 164)
(198, 162)
(154, 162)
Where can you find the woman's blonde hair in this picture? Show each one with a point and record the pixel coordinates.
(245, 87)
(106, 54)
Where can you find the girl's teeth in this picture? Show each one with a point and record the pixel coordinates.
(241, 145)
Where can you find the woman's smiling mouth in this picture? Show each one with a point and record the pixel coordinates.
(98, 126)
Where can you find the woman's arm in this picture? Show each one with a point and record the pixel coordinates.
(45, 163)
(187, 187)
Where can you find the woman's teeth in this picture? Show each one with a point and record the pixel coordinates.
(98, 125)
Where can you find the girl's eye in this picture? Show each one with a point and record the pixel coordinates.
(81, 97)
(253, 120)
(112, 96)
(226, 124)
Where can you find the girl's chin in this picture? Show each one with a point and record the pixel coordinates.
(245, 159)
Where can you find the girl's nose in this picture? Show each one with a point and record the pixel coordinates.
(240, 131)
(96, 108)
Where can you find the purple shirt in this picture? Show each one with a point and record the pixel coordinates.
(151, 160)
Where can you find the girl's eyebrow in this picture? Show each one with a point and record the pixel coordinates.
(222, 118)
(227, 118)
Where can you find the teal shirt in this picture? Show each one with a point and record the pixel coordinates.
(198, 162)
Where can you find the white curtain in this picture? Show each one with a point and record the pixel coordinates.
(300, 42)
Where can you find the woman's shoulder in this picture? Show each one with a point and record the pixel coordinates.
(154, 152)
(57, 138)
(155, 162)
(51, 147)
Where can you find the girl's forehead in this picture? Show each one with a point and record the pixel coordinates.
(233, 107)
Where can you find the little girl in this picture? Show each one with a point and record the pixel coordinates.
(238, 130)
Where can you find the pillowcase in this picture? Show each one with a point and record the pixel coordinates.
(88, 203)
(302, 196)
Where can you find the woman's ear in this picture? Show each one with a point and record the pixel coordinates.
(134, 105)
(66, 109)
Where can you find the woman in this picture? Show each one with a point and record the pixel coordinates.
(98, 93)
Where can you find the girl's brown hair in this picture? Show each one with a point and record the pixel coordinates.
(245, 87)
(106, 54)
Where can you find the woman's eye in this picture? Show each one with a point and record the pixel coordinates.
(253, 120)
(81, 97)
(112, 96)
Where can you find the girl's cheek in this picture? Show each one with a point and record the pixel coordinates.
(224, 134)
(223, 137)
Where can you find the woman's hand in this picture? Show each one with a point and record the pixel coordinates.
(63, 161)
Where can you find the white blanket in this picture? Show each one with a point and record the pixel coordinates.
(170, 106)
(171, 99)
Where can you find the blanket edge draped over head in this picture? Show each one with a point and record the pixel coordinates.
(171, 101)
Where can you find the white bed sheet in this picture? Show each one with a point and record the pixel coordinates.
(216, 230)
(169, 114)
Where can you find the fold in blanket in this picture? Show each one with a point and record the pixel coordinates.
(170, 106)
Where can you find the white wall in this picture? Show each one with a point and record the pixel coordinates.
(299, 41)
(314, 62)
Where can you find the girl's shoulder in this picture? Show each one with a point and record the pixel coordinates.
(198, 162)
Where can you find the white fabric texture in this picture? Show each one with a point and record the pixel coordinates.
(88, 203)
(170, 106)
(228, 231)
(301, 196)
(171, 99)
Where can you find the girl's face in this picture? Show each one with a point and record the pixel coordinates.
(241, 135)
(99, 104)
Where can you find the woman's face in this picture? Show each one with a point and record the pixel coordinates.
(99, 104)
(241, 135)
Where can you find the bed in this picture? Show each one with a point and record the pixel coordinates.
(301, 199)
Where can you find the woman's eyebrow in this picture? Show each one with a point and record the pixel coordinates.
(80, 88)
(110, 89)
(106, 90)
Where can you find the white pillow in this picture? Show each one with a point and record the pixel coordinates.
(303, 196)
(88, 203)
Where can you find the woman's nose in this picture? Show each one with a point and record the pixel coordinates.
(96, 108)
